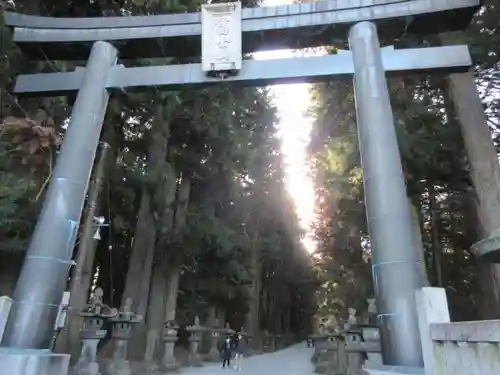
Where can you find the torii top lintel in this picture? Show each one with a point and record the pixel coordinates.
(290, 26)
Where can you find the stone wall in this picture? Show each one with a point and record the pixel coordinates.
(462, 348)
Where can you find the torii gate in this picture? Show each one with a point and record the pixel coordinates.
(396, 269)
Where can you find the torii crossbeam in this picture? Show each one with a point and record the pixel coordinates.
(396, 269)
(253, 73)
(289, 26)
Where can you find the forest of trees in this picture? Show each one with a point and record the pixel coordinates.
(451, 172)
(201, 223)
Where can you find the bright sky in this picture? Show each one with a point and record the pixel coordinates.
(295, 127)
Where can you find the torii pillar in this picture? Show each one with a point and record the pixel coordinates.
(395, 263)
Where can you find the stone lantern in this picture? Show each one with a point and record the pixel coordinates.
(215, 332)
(94, 315)
(169, 363)
(352, 320)
(372, 311)
(122, 325)
(195, 334)
(227, 330)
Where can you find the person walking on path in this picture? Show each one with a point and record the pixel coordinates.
(241, 347)
(226, 352)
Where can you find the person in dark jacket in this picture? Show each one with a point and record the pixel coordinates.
(226, 352)
(241, 347)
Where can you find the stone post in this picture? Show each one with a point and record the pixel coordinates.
(371, 341)
(169, 363)
(341, 355)
(354, 359)
(94, 316)
(432, 308)
(319, 340)
(122, 332)
(195, 332)
(328, 359)
(213, 353)
(332, 352)
(360, 342)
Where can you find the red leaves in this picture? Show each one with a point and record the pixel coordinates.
(30, 137)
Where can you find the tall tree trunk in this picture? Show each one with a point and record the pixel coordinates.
(159, 288)
(435, 222)
(483, 159)
(149, 226)
(212, 316)
(417, 242)
(174, 268)
(253, 314)
(209, 322)
(264, 307)
(173, 278)
(473, 232)
(276, 312)
(79, 286)
(286, 307)
(154, 320)
(484, 167)
(138, 281)
(141, 259)
(165, 280)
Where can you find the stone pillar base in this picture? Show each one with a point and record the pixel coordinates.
(374, 360)
(326, 367)
(395, 370)
(195, 360)
(33, 362)
(86, 368)
(169, 364)
(121, 367)
(147, 368)
(213, 356)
